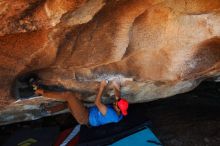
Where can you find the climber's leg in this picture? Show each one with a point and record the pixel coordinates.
(78, 110)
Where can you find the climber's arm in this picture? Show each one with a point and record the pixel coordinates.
(102, 107)
(117, 92)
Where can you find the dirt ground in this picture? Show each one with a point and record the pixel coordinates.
(190, 119)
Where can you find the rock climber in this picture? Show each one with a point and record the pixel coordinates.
(98, 115)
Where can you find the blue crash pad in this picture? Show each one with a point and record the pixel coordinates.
(144, 137)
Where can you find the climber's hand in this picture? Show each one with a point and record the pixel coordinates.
(39, 92)
(103, 83)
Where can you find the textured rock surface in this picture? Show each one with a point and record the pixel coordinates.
(166, 46)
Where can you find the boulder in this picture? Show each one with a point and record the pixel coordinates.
(164, 47)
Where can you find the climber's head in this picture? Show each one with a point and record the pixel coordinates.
(121, 105)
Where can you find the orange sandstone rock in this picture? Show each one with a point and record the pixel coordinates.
(166, 46)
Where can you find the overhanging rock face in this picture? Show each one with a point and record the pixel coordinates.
(166, 46)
